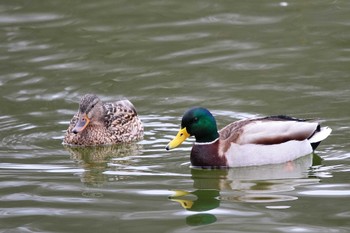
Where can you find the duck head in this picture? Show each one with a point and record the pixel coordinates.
(90, 112)
(197, 122)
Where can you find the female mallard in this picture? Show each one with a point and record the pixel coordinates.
(249, 142)
(98, 123)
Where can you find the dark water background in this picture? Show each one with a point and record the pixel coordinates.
(237, 58)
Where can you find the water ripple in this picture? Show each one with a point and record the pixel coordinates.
(28, 18)
(180, 37)
(227, 18)
(226, 45)
(39, 167)
(328, 193)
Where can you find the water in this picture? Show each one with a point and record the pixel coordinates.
(239, 59)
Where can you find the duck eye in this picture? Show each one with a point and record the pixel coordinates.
(195, 119)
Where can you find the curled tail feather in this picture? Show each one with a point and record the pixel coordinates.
(320, 134)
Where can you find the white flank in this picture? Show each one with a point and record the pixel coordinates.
(255, 155)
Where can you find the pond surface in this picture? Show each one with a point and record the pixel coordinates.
(237, 58)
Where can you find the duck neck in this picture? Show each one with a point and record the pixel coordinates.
(207, 138)
(206, 143)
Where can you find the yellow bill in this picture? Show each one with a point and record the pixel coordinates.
(179, 138)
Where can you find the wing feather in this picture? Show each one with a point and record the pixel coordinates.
(267, 131)
(119, 113)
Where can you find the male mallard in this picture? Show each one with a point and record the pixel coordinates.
(249, 142)
(98, 123)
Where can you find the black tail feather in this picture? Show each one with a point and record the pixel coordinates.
(315, 145)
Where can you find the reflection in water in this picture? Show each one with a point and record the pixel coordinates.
(200, 219)
(199, 201)
(95, 160)
(261, 184)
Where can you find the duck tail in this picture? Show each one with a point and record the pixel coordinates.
(319, 135)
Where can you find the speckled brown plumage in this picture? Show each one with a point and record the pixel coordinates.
(107, 123)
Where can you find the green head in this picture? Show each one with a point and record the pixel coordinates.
(196, 122)
(201, 124)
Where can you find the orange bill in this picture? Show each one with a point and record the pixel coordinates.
(83, 121)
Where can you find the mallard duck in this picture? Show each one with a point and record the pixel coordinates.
(98, 123)
(248, 142)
